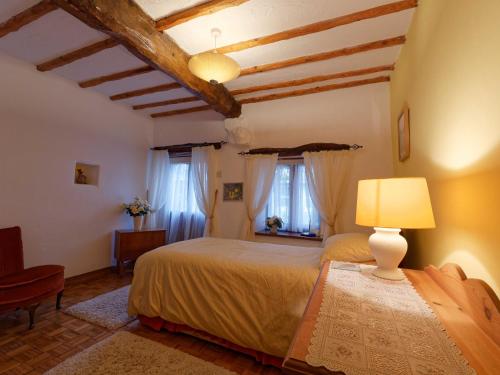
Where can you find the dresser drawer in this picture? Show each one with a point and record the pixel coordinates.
(129, 245)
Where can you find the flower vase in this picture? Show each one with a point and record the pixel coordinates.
(274, 229)
(137, 223)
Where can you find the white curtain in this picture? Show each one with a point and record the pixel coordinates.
(259, 175)
(204, 162)
(157, 185)
(181, 216)
(305, 216)
(172, 197)
(326, 176)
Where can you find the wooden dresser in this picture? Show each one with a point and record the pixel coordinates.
(129, 245)
(468, 309)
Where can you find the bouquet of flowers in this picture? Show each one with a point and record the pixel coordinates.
(139, 207)
(274, 221)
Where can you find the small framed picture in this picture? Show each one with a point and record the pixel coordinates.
(233, 191)
(404, 133)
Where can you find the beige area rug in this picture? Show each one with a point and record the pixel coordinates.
(126, 353)
(107, 310)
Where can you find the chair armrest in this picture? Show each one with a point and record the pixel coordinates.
(29, 276)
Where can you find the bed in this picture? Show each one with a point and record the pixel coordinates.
(246, 293)
(251, 294)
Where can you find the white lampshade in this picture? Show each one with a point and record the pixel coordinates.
(214, 67)
(394, 203)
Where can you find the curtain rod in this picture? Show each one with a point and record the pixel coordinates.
(296, 151)
(186, 147)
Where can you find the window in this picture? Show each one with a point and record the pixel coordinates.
(184, 220)
(290, 199)
(181, 192)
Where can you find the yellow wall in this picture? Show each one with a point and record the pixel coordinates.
(449, 74)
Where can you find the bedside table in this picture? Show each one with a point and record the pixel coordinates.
(462, 305)
(129, 244)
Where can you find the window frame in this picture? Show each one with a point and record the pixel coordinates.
(293, 164)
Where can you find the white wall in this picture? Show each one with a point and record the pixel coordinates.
(357, 115)
(46, 124)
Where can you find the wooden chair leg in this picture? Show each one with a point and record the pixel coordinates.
(58, 301)
(31, 311)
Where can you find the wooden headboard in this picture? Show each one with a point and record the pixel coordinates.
(473, 296)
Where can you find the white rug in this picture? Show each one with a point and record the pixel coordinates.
(126, 353)
(107, 310)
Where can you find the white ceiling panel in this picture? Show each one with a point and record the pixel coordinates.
(195, 117)
(331, 40)
(257, 18)
(158, 96)
(108, 61)
(310, 85)
(9, 8)
(50, 36)
(134, 83)
(160, 8)
(173, 107)
(369, 59)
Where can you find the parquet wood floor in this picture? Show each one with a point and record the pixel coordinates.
(57, 336)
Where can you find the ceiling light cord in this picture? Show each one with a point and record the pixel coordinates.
(215, 34)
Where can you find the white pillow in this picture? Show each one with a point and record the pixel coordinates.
(347, 247)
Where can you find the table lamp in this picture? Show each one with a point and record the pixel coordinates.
(389, 205)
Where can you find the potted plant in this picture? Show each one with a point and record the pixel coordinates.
(137, 209)
(273, 223)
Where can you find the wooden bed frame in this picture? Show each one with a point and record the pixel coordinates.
(468, 308)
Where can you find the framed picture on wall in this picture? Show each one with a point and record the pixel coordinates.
(233, 191)
(404, 133)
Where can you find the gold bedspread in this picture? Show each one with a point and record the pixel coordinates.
(252, 294)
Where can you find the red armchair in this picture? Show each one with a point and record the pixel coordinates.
(25, 288)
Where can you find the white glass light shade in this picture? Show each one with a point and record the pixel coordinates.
(214, 67)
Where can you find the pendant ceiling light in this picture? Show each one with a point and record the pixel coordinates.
(212, 66)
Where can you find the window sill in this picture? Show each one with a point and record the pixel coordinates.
(283, 234)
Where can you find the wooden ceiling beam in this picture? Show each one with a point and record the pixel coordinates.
(277, 85)
(166, 102)
(115, 76)
(314, 90)
(303, 60)
(282, 95)
(145, 91)
(78, 54)
(126, 22)
(321, 26)
(181, 111)
(26, 17)
(325, 55)
(202, 9)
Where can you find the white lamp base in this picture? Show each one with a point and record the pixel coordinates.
(389, 248)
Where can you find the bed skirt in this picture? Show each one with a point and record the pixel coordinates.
(158, 323)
